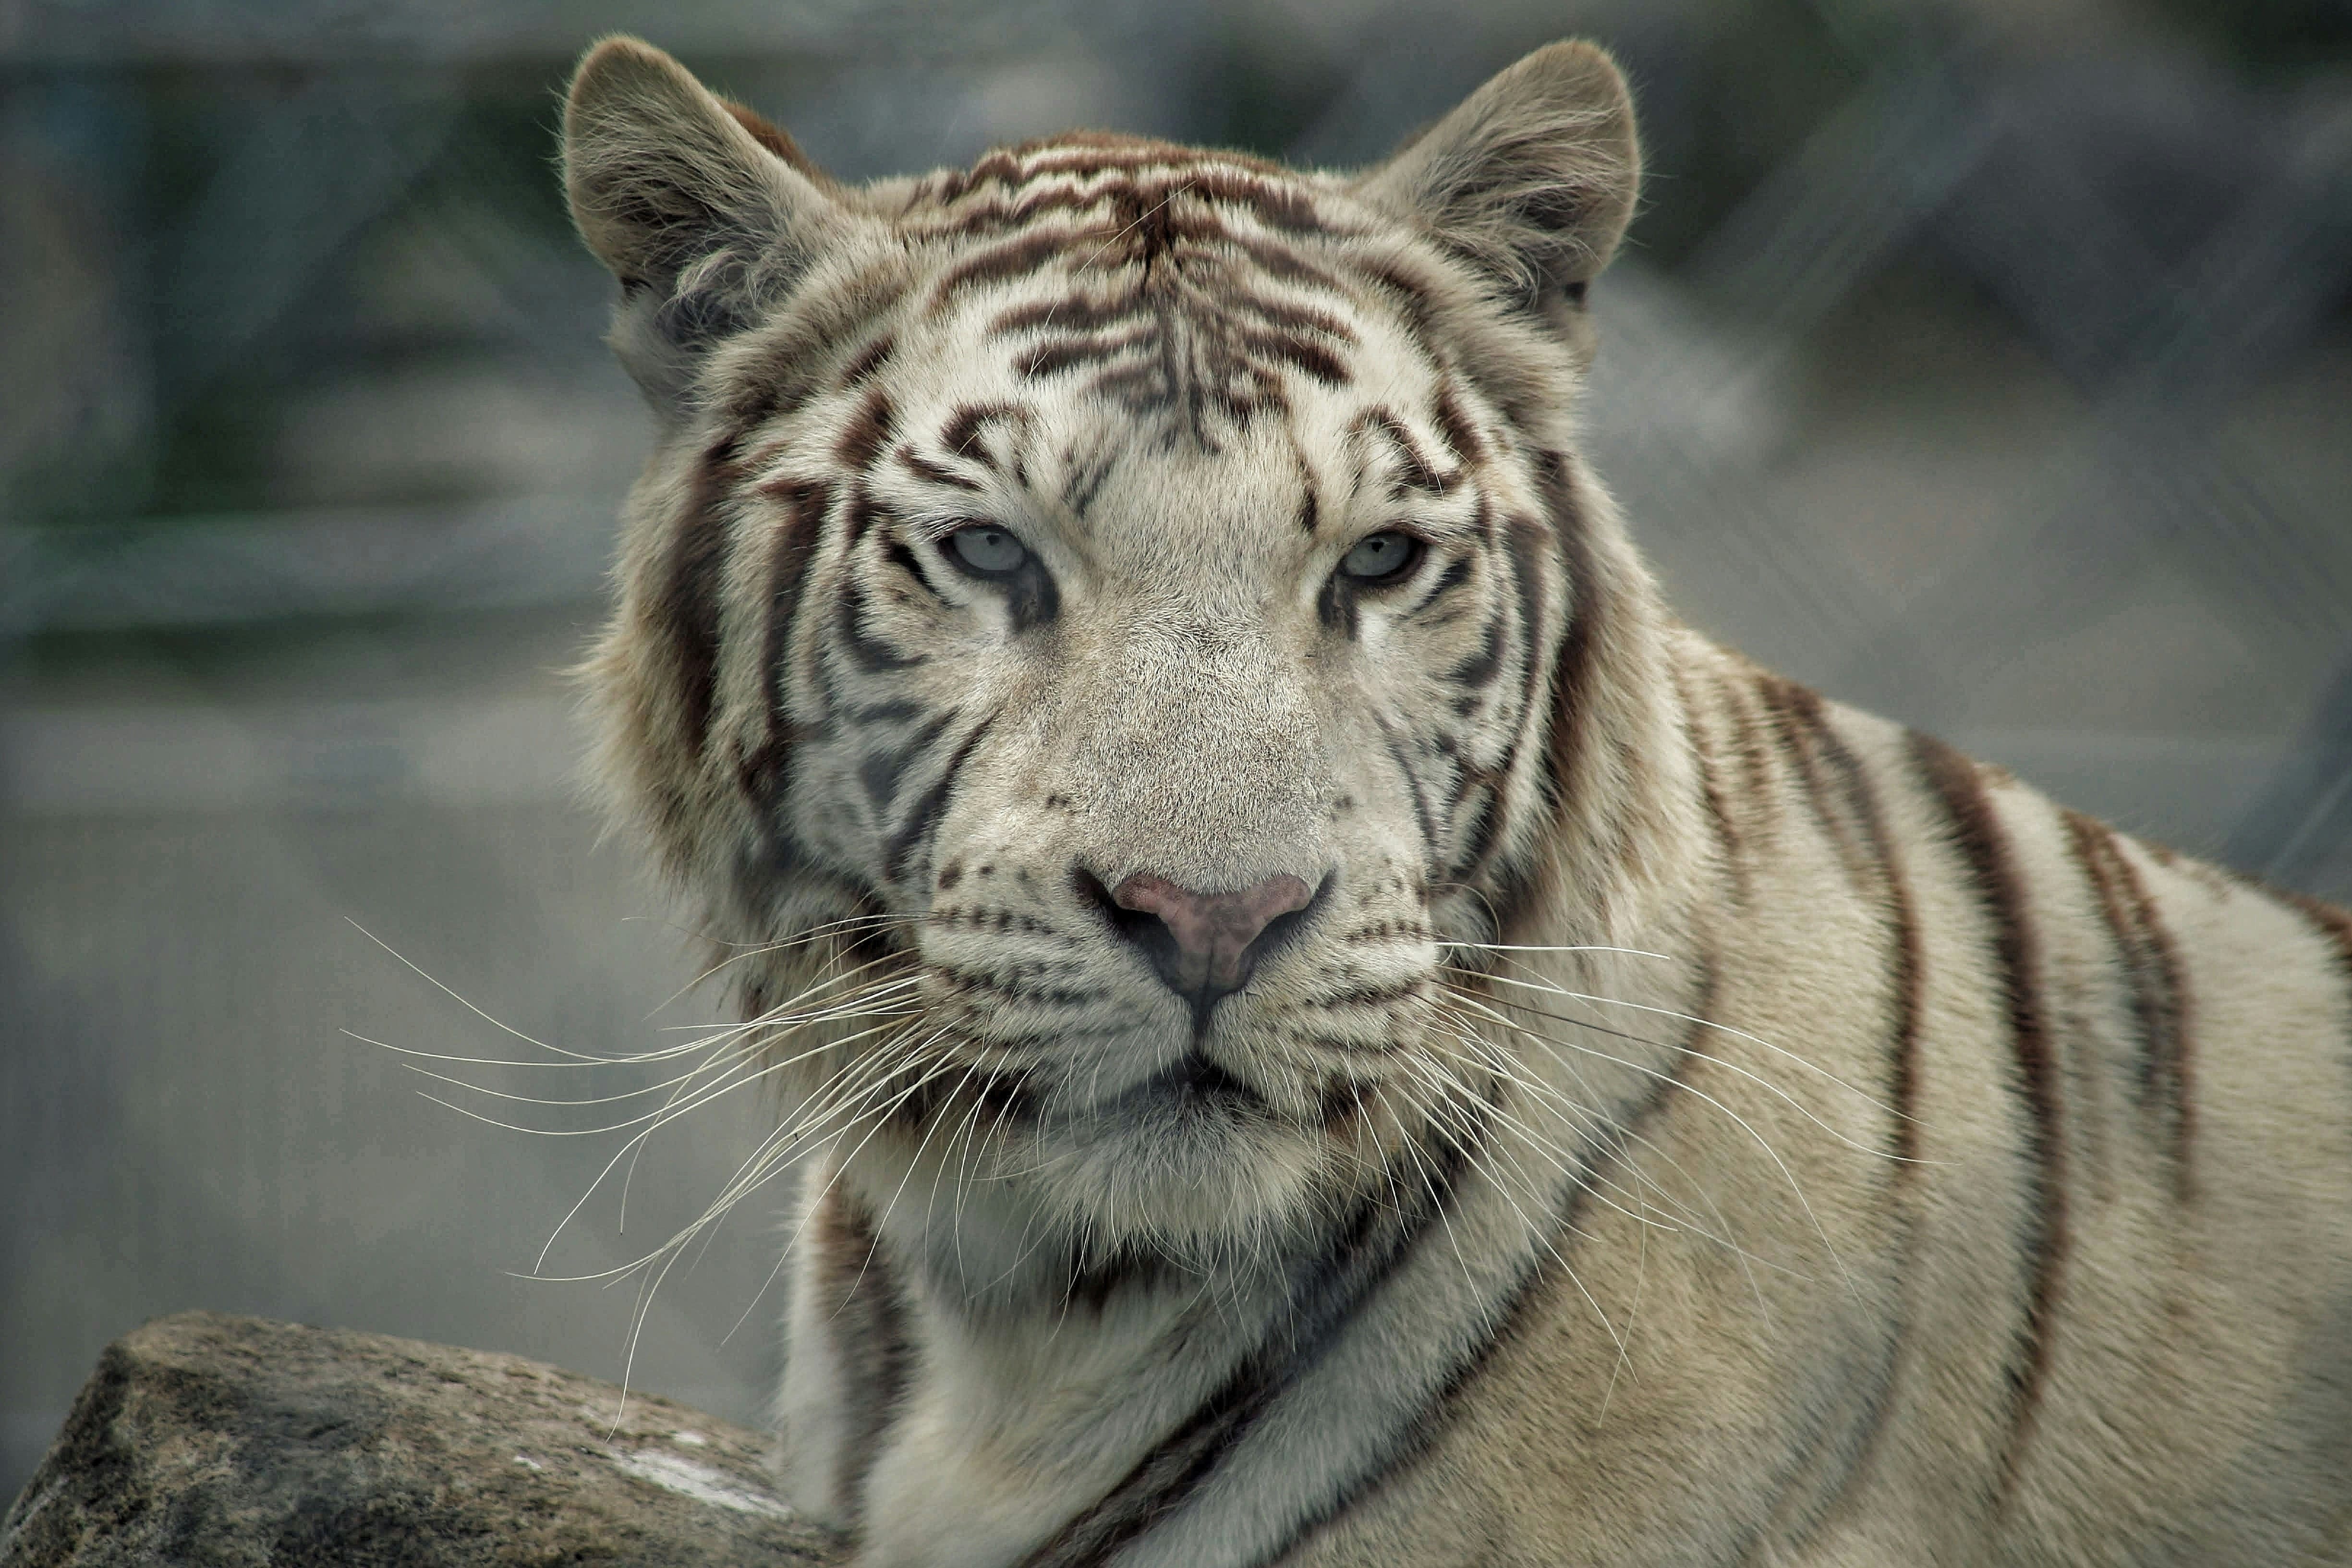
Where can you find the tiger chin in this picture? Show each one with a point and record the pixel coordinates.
(1326, 1027)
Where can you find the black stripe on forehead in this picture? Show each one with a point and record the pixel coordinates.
(1454, 426)
(1074, 152)
(1193, 337)
(1299, 354)
(1414, 471)
(1087, 476)
(1309, 508)
(869, 360)
(966, 429)
(1133, 181)
(1001, 263)
(1052, 359)
(923, 468)
(867, 431)
(1071, 312)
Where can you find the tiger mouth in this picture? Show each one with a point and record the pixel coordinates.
(1192, 1085)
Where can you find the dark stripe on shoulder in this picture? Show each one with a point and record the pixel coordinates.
(2150, 964)
(1977, 833)
(2334, 923)
(1795, 713)
(1758, 792)
(1733, 849)
(1906, 980)
(1907, 961)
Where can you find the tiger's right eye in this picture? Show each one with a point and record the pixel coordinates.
(986, 549)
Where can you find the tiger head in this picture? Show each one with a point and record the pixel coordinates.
(1113, 634)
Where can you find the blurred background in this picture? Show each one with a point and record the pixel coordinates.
(1987, 362)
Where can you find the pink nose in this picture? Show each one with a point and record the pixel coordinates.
(1210, 942)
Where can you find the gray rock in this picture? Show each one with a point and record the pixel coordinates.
(218, 1440)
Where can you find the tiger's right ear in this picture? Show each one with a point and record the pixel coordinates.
(1531, 179)
(707, 214)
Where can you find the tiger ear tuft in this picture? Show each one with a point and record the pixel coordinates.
(706, 213)
(1531, 178)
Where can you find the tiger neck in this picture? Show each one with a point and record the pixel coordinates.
(1023, 1403)
(959, 1392)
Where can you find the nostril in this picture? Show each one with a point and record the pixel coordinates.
(1203, 945)
(1279, 928)
(1138, 926)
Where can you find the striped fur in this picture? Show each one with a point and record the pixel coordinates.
(1691, 1122)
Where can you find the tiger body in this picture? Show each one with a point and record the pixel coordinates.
(1670, 1118)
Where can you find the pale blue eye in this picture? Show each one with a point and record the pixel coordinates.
(987, 549)
(1381, 557)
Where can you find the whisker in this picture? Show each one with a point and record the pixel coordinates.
(818, 933)
(1795, 1187)
(497, 1024)
(1540, 1236)
(1609, 1128)
(1697, 1055)
(1694, 1019)
(1524, 947)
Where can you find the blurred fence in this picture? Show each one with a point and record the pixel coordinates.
(1988, 367)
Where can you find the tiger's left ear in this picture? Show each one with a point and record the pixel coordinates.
(1531, 178)
(706, 213)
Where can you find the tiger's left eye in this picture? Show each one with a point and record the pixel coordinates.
(986, 549)
(1381, 557)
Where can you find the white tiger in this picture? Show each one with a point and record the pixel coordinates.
(1342, 1033)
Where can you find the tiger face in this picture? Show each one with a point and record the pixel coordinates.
(1078, 599)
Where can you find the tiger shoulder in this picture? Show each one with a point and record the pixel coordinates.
(1321, 1024)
